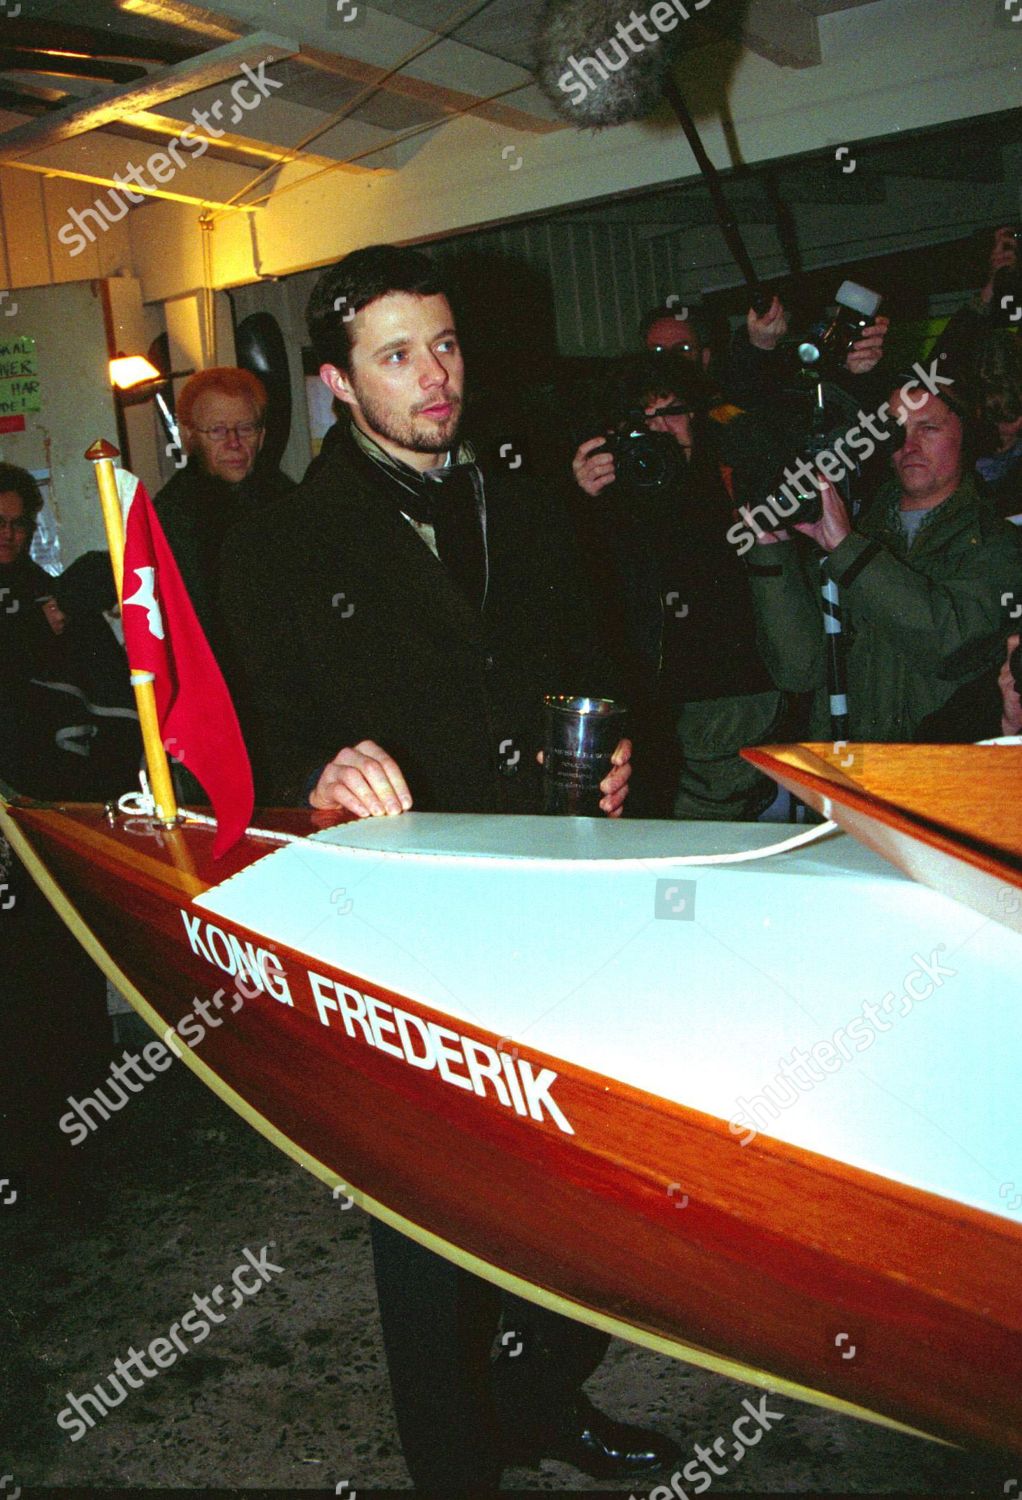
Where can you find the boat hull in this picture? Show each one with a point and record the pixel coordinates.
(645, 1217)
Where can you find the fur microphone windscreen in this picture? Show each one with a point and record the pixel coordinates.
(605, 64)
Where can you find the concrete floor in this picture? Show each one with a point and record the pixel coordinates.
(290, 1393)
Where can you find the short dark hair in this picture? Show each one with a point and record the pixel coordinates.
(638, 378)
(22, 483)
(360, 278)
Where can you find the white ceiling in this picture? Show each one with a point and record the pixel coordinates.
(361, 87)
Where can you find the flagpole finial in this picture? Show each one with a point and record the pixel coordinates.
(102, 449)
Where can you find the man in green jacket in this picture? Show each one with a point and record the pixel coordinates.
(928, 571)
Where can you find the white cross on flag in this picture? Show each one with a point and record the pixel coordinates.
(163, 636)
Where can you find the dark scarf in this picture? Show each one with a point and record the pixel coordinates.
(451, 500)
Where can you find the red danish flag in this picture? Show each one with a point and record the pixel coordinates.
(163, 636)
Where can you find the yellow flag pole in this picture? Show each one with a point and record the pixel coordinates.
(101, 455)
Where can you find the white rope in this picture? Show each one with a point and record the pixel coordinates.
(138, 804)
(272, 834)
(141, 805)
(797, 840)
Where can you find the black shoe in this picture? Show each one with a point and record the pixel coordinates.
(606, 1449)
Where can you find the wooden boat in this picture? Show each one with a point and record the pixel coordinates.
(565, 1053)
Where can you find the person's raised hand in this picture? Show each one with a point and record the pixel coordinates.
(867, 352)
(766, 330)
(1003, 254)
(593, 466)
(834, 525)
(364, 780)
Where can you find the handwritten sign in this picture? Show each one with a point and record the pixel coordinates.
(19, 376)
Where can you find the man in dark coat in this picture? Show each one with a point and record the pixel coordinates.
(221, 414)
(413, 612)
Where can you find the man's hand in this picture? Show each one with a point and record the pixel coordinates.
(1003, 253)
(55, 617)
(363, 780)
(614, 786)
(834, 525)
(593, 466)
(867, 352)
(1011, 722)
(766, 330)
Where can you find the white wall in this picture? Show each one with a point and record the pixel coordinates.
(77, 404)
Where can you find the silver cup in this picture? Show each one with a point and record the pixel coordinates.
(580, 736)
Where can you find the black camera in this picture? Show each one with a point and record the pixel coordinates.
(828, 344)
(645, 460)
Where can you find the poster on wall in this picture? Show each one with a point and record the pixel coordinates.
(19, 376)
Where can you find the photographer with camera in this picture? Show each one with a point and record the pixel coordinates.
(921, 576)
(997, 306)
(761, 364)
(677, 603)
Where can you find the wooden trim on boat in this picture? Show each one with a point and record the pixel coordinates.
(814, 1245)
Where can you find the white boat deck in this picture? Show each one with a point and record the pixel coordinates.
(582, 939)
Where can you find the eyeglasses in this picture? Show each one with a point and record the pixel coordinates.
(221, 432)
(19, 523)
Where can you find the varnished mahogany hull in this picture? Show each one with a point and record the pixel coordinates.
(774, 1252)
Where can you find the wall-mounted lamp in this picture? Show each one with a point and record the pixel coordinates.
(137, 379)
(130, 370)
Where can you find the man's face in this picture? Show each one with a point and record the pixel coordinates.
(677, 334)
(407, 376)
(679, 426)
(215, 440)
(14, 527)
(929, 460)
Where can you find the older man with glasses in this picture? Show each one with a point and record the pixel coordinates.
(221, 414)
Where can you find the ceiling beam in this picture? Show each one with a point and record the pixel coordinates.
(67, 64)
(112, 182)
(90, 42)
(146, 125)
(201, 72)
(445, 100)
